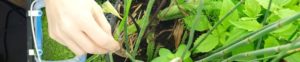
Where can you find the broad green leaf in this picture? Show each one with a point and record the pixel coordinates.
(247, 24)
(166, 52)
(281, 2)
(227, 5)
(296, 8)
(235, 34)
(293, 58)
(265, 3)
(208, 44)
(285, 32)
(188, 60)
(285, 13)
(161, 59)
(212, 9)
(201, 26)
(180, 51)
(252, 8)
(173, 12)
(180, 1)
(292, 3)
(271, 42)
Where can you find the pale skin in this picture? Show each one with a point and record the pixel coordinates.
(81, 26)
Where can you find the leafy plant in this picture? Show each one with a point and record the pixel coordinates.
(166, 55)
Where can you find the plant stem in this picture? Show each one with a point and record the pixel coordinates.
(218, 23)
(260, 41)
(284, 52)
(145, 23)
(264, 51)
(249, 39)
(196, 20)
(124, 21)
(267, 13)
(111, 59)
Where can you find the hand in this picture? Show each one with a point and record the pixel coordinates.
(80, 25)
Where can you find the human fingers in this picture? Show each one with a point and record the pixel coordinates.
(99, 36)
(69, 43)
(100, 18)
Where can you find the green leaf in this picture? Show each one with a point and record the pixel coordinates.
(281, 2)
(180, 51)
(271, 42)
(173, 12)
(249, 24)
(265, 3)
(293, 58)
(285, 32)
(252, 8)
(235, 34)
(180, 1)
(227, 5)
(208, 44)
(166, 52)
(282, 13)
(201, 26)
(161, 59)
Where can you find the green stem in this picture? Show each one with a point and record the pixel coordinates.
(259, 43)
(249, 39)
(267, 13)
(218, 23)
(191, 35)
(129, 56)
(264, 51)
(124, 21)
(111, 59)
(145, 23)
(284, 52)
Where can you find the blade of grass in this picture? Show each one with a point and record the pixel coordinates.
(258, 33)
(145, 21)
(124, 22)
(264, 51)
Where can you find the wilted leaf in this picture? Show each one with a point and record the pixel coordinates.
(107, 7)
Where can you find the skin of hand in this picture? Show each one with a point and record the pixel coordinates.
(81, 26)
